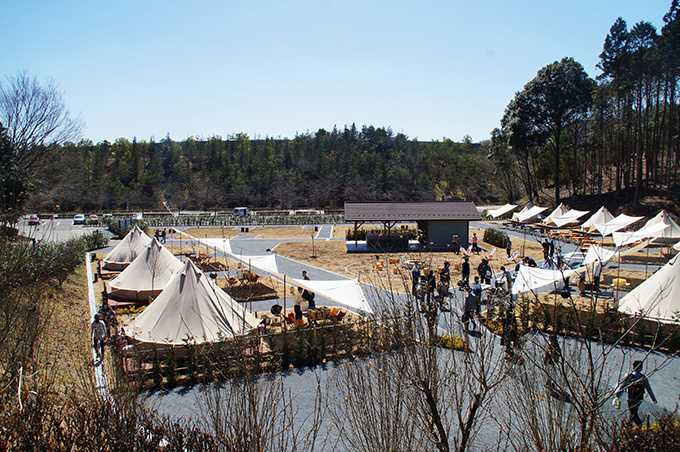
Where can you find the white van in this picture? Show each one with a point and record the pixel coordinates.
(241, 212)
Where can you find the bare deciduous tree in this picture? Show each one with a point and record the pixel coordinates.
(36, 118)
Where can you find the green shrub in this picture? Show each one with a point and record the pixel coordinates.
(496, 238)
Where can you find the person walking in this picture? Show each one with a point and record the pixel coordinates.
(99, 333)
(304, 275)
(469, 306)
(635, 383)
(508, 246)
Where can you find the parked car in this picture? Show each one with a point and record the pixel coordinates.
(79, 219)
(34, 220)
(93, 217)
(241, 212)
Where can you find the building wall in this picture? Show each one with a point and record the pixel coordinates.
(440, 233)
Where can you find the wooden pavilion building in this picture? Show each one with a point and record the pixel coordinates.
(436, 222)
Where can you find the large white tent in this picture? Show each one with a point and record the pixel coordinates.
(602, 216)
(672, 231)
(191, 309)
(558, 212)
(127, 250)
(147, 275)
(571, 216)
(495, 213)
(529, 212)
(658, 298)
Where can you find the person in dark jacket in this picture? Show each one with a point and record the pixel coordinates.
(465, 268)
(635, 383)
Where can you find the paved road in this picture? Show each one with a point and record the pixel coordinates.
(57, 229)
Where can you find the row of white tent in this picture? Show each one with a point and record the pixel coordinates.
(602, 221)
(657, 298)
(188, 305)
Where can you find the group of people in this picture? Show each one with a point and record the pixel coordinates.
(304, 299)
(160, 235)
(104, 320)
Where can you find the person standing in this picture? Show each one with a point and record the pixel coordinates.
(597, 270)
(635, 383)
(508, 246)
(465, 268)
(445, 273)
(415, 275)
(469, 306)
(304, 275)
(475, 246)
(455, 246)
(298, 304)
(99, 333)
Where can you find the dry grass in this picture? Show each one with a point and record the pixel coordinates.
(66, 349)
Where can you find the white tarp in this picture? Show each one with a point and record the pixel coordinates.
(528, 213)
(265, 262)
(147, 275)
(539, 280)
(615, 224)
(223, 245)
(192, 308)
(677, 246)
(134, 243)
(657, 298)
(673, 230)
(495, 213)
(347, 292)
(653, 231)
(569, 217)
(602, 216)
(558, 212)
(596, 253)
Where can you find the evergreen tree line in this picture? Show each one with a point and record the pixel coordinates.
(321, 169)
(618, 134)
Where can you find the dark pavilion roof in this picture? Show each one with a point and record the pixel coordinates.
(411, 211)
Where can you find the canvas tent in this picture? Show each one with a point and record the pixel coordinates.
(653, 231)
(147, 275)
(528, 213)
(569, 217)
(602, 216)
(191, 309)
(616, 224)
(495, 213)
(558, 212)
(658, 298)
(673, 230)
(127, 250)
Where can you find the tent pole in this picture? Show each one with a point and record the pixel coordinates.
(283, 320)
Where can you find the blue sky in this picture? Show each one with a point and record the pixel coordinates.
(428, 69)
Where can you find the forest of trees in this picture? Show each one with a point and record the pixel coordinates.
(616, 135)
(322, 169)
